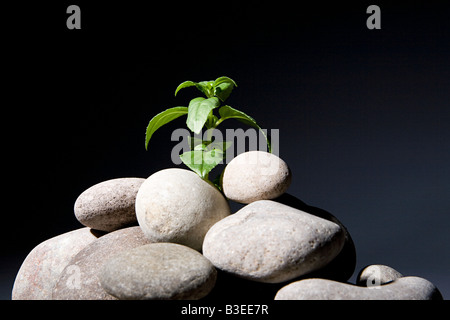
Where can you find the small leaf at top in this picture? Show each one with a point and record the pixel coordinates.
(223, 87)
(198, 112)
(207, 88)
(161, 119)
(223, 91)
(223, 80)
(185, 84)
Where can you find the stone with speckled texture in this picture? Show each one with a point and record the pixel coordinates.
(158, 271)
(108, 205)
(267, 241)
(406, 288)
(176, 205)
(377, 274)
(42, 267)
(255, 175)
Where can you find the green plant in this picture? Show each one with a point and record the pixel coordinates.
(204, 154)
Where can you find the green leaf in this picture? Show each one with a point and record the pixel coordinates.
(227, 112)
(219, 145)
(161, 119)
(194, 142)
(207, 88)
(185, 84)
(223, 87)
(198, 112)
(201, 147)
(212, 158)
(223, 91)
(202, 162)
(224, 80)
(200, 144)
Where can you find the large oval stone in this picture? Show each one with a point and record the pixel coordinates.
(158, 271)
(42, 267)
(341, 268)
(176, 205)
(108, 205)
(255, 175)
(79, 279)
(406, 288)
(270, 242)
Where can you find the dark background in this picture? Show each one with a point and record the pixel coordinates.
(364, 115)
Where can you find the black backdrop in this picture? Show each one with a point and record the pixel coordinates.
(363, 114)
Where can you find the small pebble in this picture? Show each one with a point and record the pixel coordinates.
(376, 275)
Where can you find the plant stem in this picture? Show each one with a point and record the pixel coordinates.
(219, 122)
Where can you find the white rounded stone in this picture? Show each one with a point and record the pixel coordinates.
(255, 175)
(270, 242)
(176, 205)
(377, 274)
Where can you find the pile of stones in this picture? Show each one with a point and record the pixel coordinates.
(172, 236)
